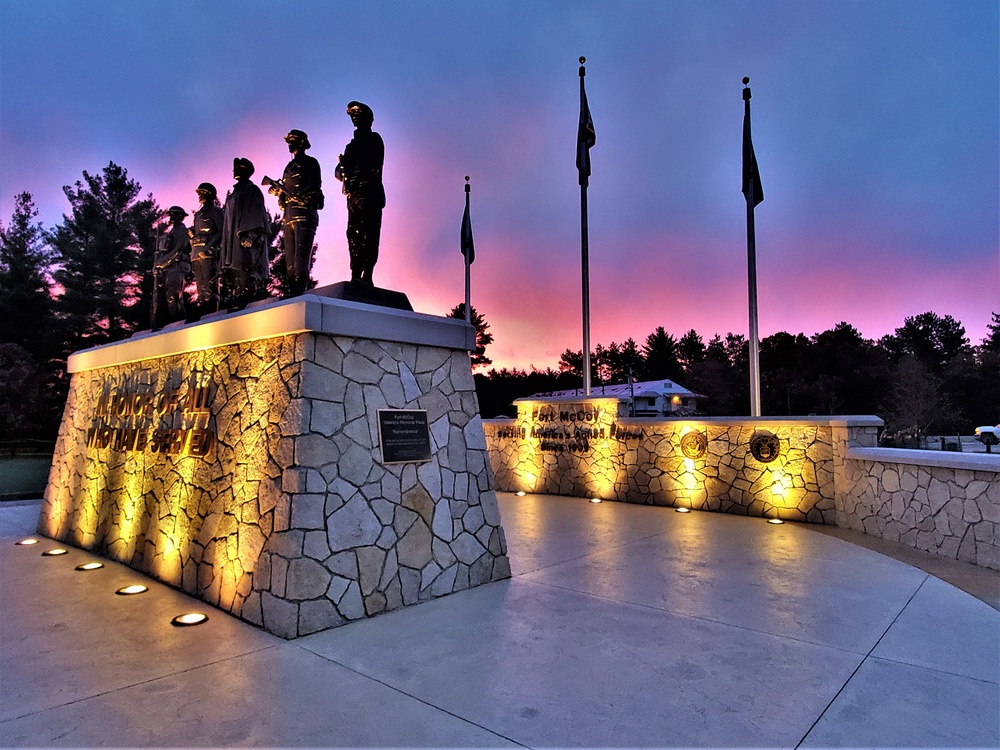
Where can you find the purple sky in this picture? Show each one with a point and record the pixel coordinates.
(875, 127)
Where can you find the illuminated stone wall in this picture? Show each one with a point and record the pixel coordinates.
(249, 475)
(586, 448)
(821, 470)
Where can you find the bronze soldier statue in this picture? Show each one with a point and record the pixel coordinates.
(206, 237)
(360, 169)
(171, 267)
(300, 196)
(245, 234)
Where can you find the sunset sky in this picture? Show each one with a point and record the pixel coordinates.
(875, 125)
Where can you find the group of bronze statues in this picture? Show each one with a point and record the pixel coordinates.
(225, 250)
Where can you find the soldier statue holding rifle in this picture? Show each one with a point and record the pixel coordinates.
(171, 266)
(360, 169)
(300, 196)
(206, 238)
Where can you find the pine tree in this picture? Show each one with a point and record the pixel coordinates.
(105, 254)
(933, 340)
(25, 287)
(690, 349)
(483, 337)
(660, 356)
(32, 388)
(992, 341)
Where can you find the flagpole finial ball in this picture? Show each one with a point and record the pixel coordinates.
(582, 59)
(466, 178)
(746, 80)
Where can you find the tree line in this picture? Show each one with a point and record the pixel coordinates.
(924, 378)
(89, 281)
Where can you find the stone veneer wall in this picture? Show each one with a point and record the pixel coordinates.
(828, 471)
(289, 521)
(640, 460)
(944, 503)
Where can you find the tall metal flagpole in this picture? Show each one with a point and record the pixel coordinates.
(468, 252)
(584, 142)
(754, 195)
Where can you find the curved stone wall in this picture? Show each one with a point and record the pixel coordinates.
(815, 469)
(586, 448)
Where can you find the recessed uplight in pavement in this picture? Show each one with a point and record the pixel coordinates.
(596, 500)
(190, 618)
(522, 493)
(89, 566)
(54, 552)
(135, 588)
(682, 510)
(26, 542)
(774, 520)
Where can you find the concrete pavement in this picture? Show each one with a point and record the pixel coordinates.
(624, 626)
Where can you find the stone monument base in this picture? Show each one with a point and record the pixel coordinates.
(299, 465)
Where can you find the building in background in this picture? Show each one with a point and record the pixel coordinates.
(648, 398)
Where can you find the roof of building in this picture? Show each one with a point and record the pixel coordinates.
(646, 388)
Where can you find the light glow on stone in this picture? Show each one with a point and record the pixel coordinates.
(27, 541)
(189, 618)
(54, 552)
(89, 566)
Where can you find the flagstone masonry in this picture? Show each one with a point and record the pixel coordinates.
(289, 519)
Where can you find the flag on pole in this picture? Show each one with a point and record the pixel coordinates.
(468, 249)
(751, 177)
(585, 137)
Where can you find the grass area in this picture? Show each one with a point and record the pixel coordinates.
(23, 475)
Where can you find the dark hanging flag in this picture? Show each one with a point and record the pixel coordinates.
(585, 137)
(751, 176)
(468, 249)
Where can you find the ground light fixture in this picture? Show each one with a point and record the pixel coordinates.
(774, 520)
(189, 618)
(522, 493)
(54, 552)
(26, 542)
(89, 566)
(595, 500)
(682, 510)
(135, 588)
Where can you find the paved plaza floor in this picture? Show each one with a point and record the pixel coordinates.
(623, 626)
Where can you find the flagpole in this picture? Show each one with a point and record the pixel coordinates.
(751, 265)
(585, 249)
(468, 264)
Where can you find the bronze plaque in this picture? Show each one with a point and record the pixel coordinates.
(765, 447)
(404, 436)
(694, 444)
